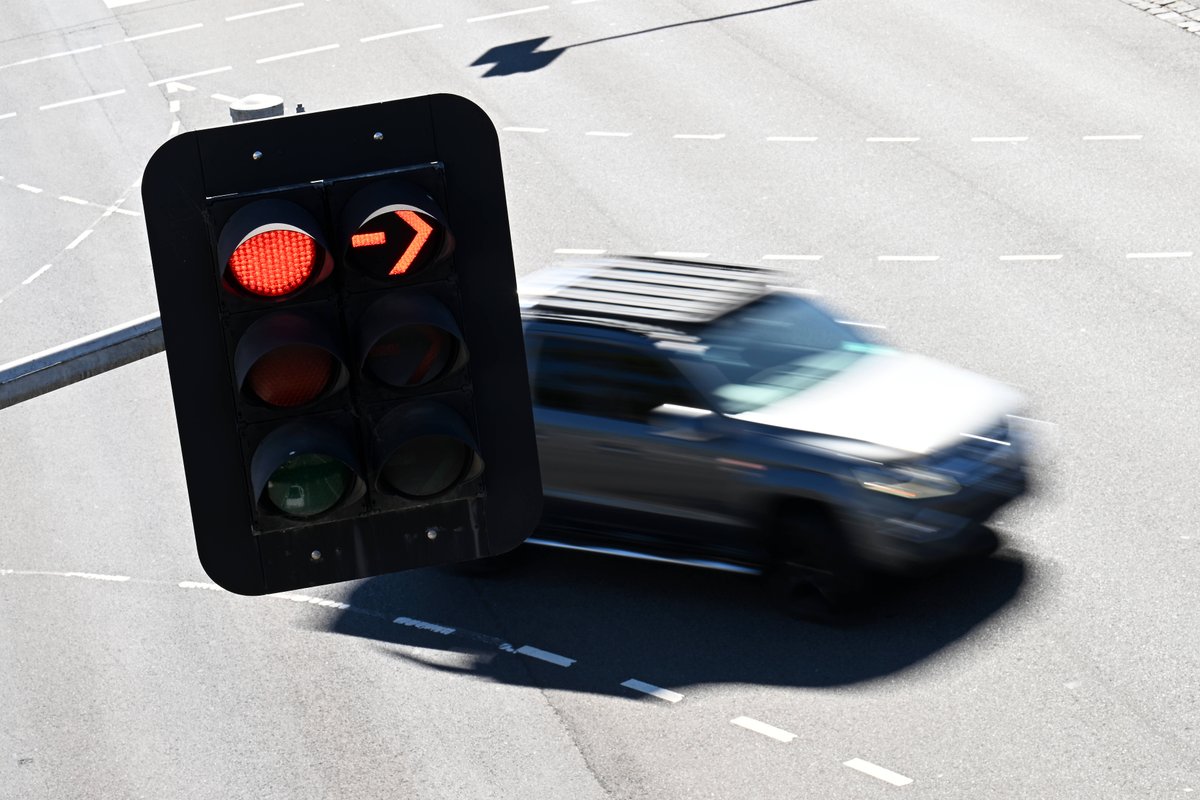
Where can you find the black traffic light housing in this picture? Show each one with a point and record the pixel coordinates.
(339, 308)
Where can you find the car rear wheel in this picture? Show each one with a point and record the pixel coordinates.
(815, 576)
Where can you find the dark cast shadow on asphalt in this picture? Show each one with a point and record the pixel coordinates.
(526, 56)
(670, 626)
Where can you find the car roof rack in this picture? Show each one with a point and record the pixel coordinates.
(653, 293)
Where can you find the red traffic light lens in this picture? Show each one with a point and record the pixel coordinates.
(427, 466)
(274, 263)
(292, 375)
(412, 356)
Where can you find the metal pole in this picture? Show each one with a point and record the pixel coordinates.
(53, 369)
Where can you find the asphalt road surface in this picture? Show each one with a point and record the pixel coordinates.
(1008, 185)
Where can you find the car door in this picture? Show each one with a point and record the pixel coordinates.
(611, 462)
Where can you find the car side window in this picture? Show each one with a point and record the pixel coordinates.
(614, 381)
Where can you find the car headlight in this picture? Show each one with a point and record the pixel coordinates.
(911, 483)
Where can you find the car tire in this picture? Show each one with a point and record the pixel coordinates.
(814, 575)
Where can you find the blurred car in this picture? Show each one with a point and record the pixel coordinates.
(697, 414)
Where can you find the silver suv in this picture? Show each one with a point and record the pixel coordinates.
(695, 413)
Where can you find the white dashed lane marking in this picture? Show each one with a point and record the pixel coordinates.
(750, 724)
(199, 74)
(876, 771)
(508, 13)
(76, 200)
(168, 31)
(79, 239)
(89, 98)
(545, 655)
(1181, 254)
(652, 690)
(404, 32)
(9, 115)
(260, 12)
(52, 55)
(297, 53)
(35, 275)
(199, 585)
(26, 187)
(90, 576)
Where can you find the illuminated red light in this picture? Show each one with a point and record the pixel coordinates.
(274, 263)
(368, 239)
(423, 230)
(291, 376)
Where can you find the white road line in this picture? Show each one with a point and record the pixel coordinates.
(91, 576)
(876, 771)
(986, 439)
(53, 55)
(29, 188)
(62, 103)
(1183, 254)
(763, 728)
(908, 258)
(999, 138)
(1120, 137)
(200, 74)
(80, 238)
(710, 136)
(35, 275)
(9, 115)
(173, 106)
(309, 51)
(175, 126)
(409, 622)
(516, 129)
(199, 585)
(404, 32)
(791, 138)
(180, 29)
(607, 133)
(553, 658)
(862, 324)
(790, 257)
(1033, 257)
(893, 138)
(224, 98)
(508, 13)
(249, 14)
(680, 254)
(66, 198)
(652, 690)
(578, 251)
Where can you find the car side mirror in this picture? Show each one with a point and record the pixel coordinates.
(685, 423)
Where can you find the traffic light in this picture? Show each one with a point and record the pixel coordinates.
(339, 309)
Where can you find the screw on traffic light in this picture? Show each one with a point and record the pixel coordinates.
(343, 337)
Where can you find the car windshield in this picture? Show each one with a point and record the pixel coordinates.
(774, 348)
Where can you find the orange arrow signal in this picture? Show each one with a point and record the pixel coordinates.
(423, 229)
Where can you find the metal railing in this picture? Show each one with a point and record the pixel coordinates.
(83, 358)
